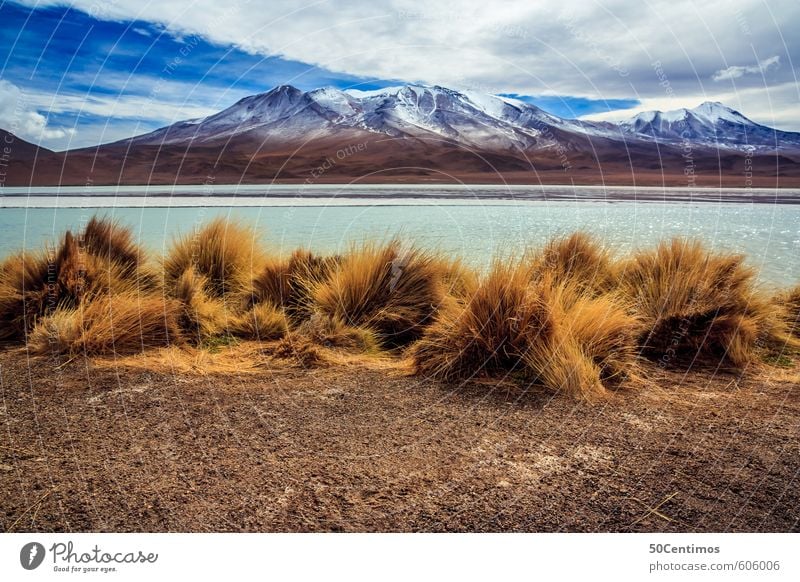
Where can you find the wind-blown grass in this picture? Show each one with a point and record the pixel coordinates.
(224, 254)
(101, 260)
(288, 283)
(577, 259)
(549, 332)
(699, 307)
(389, 288)
(568, 316)
(119, 324)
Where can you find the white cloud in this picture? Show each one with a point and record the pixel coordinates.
(602, 49)
(20, 116)
(605, 49)
(734, 72)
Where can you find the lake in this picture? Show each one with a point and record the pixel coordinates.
(474, 222)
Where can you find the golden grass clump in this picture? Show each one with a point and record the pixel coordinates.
(549, 332)
(107, 239)
(578, 259)
(288, 283)
(594, 346)
(698, 306)
(27, 286)
(110, 324)
(458, 280)
(789, 305)
(224, 254)
(262, 322)
(200, 316)
(389, 288)
(300, 350)
(331, 332)
(33, 285)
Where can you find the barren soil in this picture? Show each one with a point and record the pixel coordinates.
(94, 445)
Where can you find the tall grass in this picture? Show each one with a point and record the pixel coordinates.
(577, 259)
(788, 303)
(36, 284)
(289, 282)
(551, 332)
(224, 254)
(27, 287)
(567, 316)
(118, 324)
(389, 288)
(699, 307)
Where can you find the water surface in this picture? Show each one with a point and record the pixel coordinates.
(473, 227)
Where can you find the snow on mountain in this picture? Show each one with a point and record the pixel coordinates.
(710, 124)
(471, 119)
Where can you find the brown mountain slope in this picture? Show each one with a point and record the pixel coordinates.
(367, 157)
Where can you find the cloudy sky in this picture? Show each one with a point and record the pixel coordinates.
(84, 72)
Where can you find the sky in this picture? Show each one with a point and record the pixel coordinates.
(79, 73)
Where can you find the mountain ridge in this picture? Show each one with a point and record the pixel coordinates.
(432, 133)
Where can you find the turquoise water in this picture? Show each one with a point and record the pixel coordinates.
(768, 234)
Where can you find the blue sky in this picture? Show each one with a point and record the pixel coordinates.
(66, 53)
(81, 72)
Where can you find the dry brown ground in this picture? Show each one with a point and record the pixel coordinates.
(222, 446)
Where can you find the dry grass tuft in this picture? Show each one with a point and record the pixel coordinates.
(548, 332)
(261, 322)
(458, 280)
(789, 305)
(111, 324)
(578, 259)
(33, 285)
(288, 283)
(300, 350)
(201, 317)
(106, 238)
(27, 287)
(698, 307)
(389, 288)
(330, 332)
(224, 254)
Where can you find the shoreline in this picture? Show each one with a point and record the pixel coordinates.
(371, 195)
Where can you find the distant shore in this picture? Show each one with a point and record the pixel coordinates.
(390, 194)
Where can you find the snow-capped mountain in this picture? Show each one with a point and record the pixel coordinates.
(410, 111)
(417, 133)
(437, 114)
(710, 124)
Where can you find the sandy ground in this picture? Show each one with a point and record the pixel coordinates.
(363, 446)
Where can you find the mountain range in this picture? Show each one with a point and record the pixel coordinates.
(416, 133)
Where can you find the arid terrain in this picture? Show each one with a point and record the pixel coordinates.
(147, 443)
(386, 161)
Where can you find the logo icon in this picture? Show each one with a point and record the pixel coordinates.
(31, 555)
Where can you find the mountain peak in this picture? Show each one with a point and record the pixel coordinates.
(708, 113)
(479, 120)
(715, 111)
